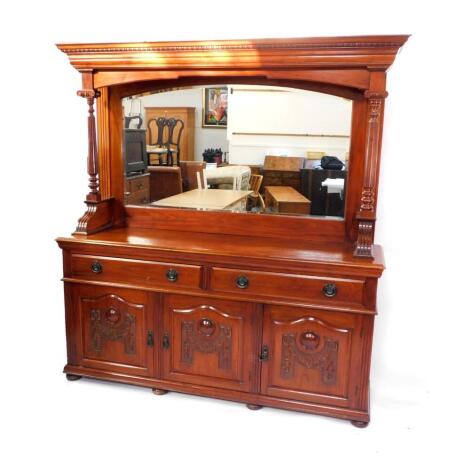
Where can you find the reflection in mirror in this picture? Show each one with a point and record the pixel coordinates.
(240, 148)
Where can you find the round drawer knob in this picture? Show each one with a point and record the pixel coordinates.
(242, 282)
(172, 275)
(96, 267)
(329, 290)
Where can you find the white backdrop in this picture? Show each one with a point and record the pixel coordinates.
(48, 422)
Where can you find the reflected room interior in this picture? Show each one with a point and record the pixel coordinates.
(240, 148)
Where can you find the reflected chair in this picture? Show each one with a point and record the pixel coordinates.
(156, 146)
(164, 181)
(175, 129)
(190, 172)
(255, 181)
(168, 132)
(228, 177)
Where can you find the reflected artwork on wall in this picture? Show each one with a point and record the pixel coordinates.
(215, 105)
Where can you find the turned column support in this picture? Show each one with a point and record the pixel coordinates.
(366, 215)
(98, 215)
(92, 158)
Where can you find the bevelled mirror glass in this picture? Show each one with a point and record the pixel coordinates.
(239, 148)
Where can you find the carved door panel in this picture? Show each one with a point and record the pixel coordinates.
(116, 329)
(211, 342)
(311, 355)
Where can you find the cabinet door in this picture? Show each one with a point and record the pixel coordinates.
(114, 327)
(312, 355)
(211, 342)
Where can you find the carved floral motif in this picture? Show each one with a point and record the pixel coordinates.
(206, 337)
(325, 361)
(112, 324)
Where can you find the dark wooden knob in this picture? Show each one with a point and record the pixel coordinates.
(172, 275)
(242, 282)
(206, 327)
(329, 290)
(309, 340)
(96, 267)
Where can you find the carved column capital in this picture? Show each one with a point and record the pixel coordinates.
(372, 94)
(366, 215)
(88, 94)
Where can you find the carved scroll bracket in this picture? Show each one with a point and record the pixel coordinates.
(98, 215)
(366, 215)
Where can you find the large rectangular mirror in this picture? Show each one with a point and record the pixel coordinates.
(242, 148)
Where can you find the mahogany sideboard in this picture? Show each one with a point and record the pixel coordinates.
(264, 309)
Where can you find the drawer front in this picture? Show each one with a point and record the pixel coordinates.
(293, 286)
(139, 184)
(138, 197)
(136, 272)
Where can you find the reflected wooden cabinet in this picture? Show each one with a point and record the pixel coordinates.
(137, 189)
(268, 310)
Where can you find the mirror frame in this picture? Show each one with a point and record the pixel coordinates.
(350, 67)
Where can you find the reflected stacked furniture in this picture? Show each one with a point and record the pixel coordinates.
(282, 171)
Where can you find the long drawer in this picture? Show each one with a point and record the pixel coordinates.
(292, 286)
(135, 272)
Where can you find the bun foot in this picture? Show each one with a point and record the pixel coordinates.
(359, 424)
(159, 391)
(72, 377)
(253, 407)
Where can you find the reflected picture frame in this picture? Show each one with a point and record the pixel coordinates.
(215, 107)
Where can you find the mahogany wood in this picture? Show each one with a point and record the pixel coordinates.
(268, 310)
(348, 291)
(210, 341)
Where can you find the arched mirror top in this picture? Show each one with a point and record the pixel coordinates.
(344, 61)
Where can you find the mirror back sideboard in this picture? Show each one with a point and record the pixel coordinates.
(269, 310)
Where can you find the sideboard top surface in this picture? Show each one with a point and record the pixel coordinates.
(288, 253)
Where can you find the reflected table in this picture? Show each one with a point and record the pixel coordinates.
(215, 199)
